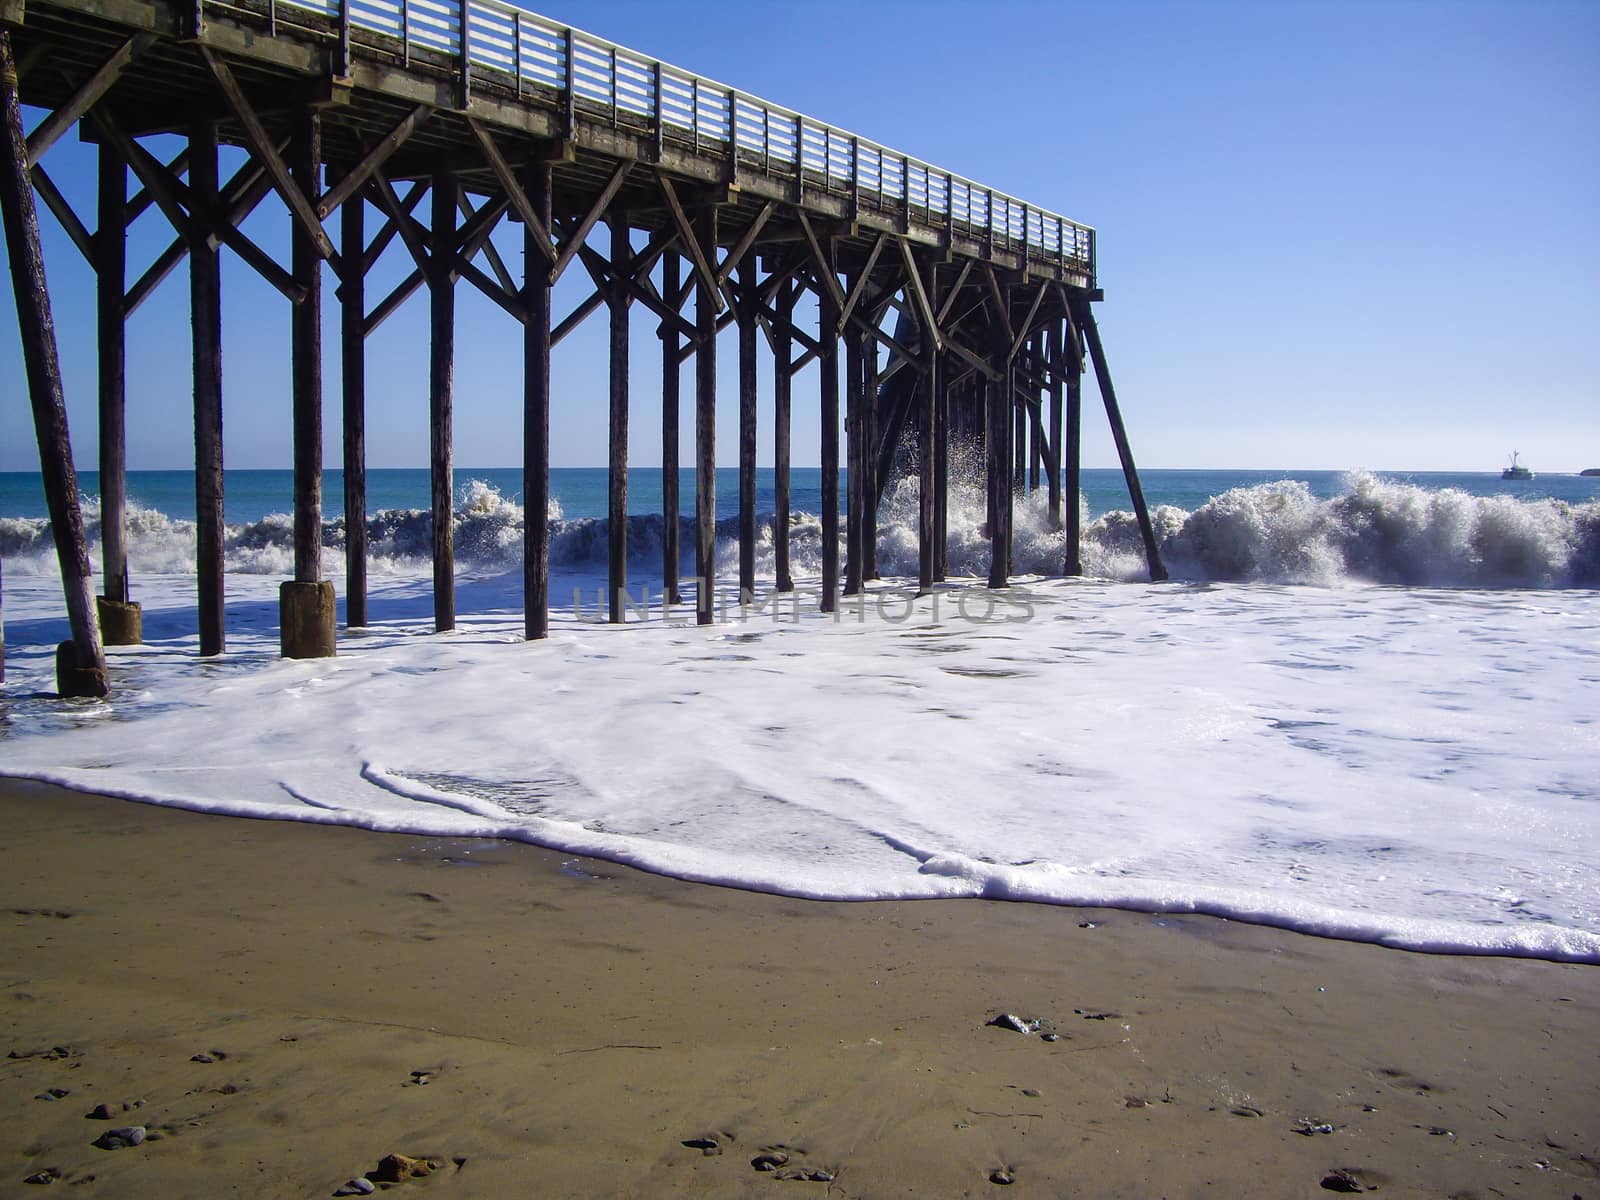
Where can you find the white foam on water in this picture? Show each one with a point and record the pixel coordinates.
(1414, 767)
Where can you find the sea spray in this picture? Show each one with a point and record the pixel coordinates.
(1376, 531)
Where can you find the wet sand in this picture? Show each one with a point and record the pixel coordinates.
(543, 1026)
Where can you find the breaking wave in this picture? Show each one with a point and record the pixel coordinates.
(1377, 531)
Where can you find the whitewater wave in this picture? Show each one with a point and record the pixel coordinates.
(1377, 531)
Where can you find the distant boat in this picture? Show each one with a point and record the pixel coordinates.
(1516, 470)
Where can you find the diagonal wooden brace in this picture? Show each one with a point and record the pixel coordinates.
(375, 158)
(61, 120)
(597, 210)
(255, 136)
(919, 295)
(513, 188)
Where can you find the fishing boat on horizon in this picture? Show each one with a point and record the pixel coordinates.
(1516, 470)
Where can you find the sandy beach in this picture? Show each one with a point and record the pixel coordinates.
(540, 1025)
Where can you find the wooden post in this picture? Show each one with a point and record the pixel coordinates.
(855, 501)
(927, 483)
(111, 255)
(870, 488)
(828, 360)
(306, 606)
(1000, 403)
(941, 472)
(1053, 474)
(441, 399)
(353, 360)
(1130, 472)
(617, 475)
(1036, 449)
(536, 184)
(205, 305)
(747, 425)
(1073, 469)
(306, 335)
(782, 383)
(1019, 441)
(671, 389)
(80, 662)
(705, 428)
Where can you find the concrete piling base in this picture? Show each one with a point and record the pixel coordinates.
(76, 680)
(121, 622)
(306, 619)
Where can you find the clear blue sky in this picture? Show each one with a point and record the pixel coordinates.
(1331, 235)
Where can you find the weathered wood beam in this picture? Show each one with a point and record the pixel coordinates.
(205, 306)
(671, 396)
(390, 230)
(825, 273)
(747, 423)
(353, 363)
(64, 116)
(520, 202)
(1000, 308)
(441, 397)
(142, 199)
(708, 302)
(596, 210)
(80, 663)
(537, 342)
(110, 266)
(1025, 330)
(782, 398)
(700, 256)
(953, 293)
(862, 280)
(62, 211)
(577, 316)
(410, 233)
(829, 303)
(617, 440)
(742, 247)
(930, 324)
(352, 180)
(153, 174)
(255, 136)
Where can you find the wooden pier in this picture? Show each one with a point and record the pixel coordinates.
(965, 314)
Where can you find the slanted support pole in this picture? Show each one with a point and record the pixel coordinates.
(205, 307)
(828, 360)
(120, 618)
(1053, 471)
(441, 398)
(1072, 470)
(671, 395)
(617, 303)
(81, 661)
(353, 362)
(707, 302)
(782, 390)
(536, 347)
(1102, 374)
(748, 300)
(306, 606)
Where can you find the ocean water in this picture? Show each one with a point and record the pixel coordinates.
(1363, 708)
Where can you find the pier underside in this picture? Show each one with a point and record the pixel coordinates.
(964, 315)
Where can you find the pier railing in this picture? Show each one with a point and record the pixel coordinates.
(555, 65)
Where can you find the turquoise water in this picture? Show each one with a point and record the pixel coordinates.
(581, 491)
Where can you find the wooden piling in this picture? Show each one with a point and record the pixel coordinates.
(1072, 485)
(441, 383)
(353, 365)
(306, 356)
(828, 360)
(1036, 447)
(671, 390)
(80, 662)
(111, 255)
(747, 425)
(617, 475)
(536, 346)
(855, 500)
(705, 427)
(941, 472)
(205, 308)
(782, 387)
(870, 484)
(1053, 474)
(996, 393)
(927, 483)
(1119, 434)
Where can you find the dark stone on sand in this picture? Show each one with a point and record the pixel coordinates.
(397, 1168)
(121, 1139)
(1002, 1177)
(1341, 1181)
(48, 1175)
(1097, 1016)
(104, 1112)
(1050, 1037)
(421, 1077)
(53, 1094)
(1305, 1126)
(208, 1056)
(1014, 1023)
(357, 1187)
(807, 1175)
(708, 1146)
(769, 1160)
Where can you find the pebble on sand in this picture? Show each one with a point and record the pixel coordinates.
(357, 1187)
(121, 1139)
(397, 1168)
